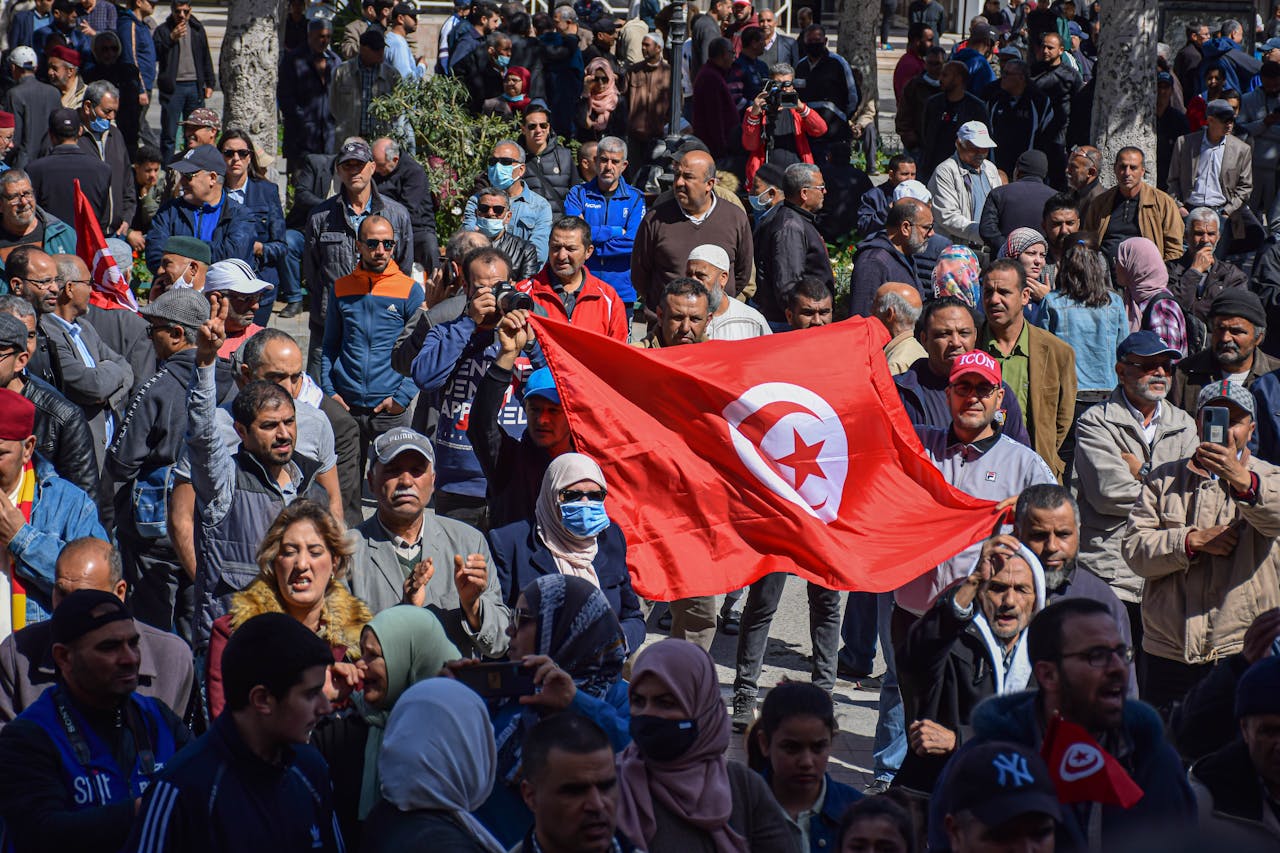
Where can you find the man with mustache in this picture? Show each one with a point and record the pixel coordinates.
(1118, 442)
(1237, 326)
(1198, 276)
(968, 646)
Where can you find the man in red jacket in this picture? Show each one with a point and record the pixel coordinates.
(568, 291)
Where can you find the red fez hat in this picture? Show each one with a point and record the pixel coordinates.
(6, 119)
(17, 416)
(66, 54)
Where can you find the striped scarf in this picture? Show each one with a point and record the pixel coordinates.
(17, 592)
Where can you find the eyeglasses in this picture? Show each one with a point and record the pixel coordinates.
(236, 153)
(39, 282)
(506, 161)
(1099, 656)
(569, 496)
(14, 352)
(926, 228)
(520, 615)
(968, 389)
(25, 195)
(83, 281)
(491, 209)
(819, 187)
(157, 327)
(374, 245)
(1166, 366)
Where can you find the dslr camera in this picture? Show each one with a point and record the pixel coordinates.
(781, 96)
(509, 299)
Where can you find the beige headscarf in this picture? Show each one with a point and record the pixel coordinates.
(573, 554)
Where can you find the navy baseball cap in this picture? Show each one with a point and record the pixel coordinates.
(1145, 343)
(202, 158)
(542, 384)
(1001, 781)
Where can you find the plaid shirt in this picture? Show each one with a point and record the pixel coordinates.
(1167, 322)
(368, 76)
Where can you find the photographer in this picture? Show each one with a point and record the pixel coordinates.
(778, 120)
(567, 290)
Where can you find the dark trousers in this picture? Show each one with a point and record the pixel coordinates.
(174, 107)
(315, 353)
(465, 508)
(290, 268)
(824, 632)
(371, 426)
(346, 444)
(160, 593)
(858, 632)
(1163, 682)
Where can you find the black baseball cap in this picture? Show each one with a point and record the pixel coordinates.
(1000, 781)
(64, 122)
(84, 611)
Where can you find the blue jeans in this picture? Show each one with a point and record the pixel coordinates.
(290, 268)
(858, 632)
(174, 107)
(891, 728)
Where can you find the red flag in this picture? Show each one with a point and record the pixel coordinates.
(727, 460)
(1084, 772)
(109, 288)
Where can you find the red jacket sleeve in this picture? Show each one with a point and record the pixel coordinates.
(751, 131)
(217, 643)
(814, 124)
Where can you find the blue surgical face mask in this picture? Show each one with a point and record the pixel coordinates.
(502, 176)
(758, 202)
(503, 60)
(100, 124)
(584, 519)
(490, 228)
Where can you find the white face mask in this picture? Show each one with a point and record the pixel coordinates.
(182, 283)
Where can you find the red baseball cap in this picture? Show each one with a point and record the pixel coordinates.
(17, 416)
(977, 363)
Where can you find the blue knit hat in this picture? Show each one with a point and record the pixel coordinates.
(1259, 689)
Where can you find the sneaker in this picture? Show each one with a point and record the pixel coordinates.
(293, 309)
(730, 624)
(744, 711)
(879, 786)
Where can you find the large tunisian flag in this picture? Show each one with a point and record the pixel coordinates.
(109, 288)
(727, 460)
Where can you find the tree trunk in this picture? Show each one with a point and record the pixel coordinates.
(1125, 82)
(858, 31)
(248, 69)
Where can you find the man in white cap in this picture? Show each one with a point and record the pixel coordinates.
(648, 95)
(731, 320)
(32, 101)
(234, 281)
(961, 184)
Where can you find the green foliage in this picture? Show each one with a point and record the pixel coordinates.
(452, 143)
(841, 253)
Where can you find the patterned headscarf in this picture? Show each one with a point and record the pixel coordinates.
(957, 274)
(1019, 240)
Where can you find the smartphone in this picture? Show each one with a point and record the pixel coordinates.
(1214, 423)
(498, 679)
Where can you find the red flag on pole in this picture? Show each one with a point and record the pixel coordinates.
(727, 460)
(1084, 772)
(109, 288)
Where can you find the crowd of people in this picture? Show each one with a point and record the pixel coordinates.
(364, 590)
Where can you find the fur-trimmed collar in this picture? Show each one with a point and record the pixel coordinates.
(340, 625)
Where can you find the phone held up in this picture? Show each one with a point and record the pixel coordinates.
(1215, 421)
(498, 679)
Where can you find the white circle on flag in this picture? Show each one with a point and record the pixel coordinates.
(802, 454)
(1080, 761)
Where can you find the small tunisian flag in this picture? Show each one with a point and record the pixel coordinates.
(109, 288)
(727, 460)
(1084, 772)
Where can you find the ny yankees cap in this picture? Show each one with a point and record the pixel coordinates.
(1000, 781)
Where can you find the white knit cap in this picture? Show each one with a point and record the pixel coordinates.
(711, 254)
(657, 38)
(912, 189)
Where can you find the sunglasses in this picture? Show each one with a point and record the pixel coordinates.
(236, 153)
(380, 244)
(542, 125)
(968, 389)
(491, 209)
(506, 161)
(569, 496)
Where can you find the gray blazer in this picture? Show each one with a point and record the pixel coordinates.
(27, 668)
(96, 390)
(377, 579)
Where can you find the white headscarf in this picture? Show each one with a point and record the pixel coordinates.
(574, 555)
(438, 753)
(1018, 674)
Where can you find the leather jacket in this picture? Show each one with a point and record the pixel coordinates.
(523, 256)
(62, 435)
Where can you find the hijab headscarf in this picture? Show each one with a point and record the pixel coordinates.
(522, 100)
(438, 754)
(578, 630)
(695, 786)
(573, 555)
(1140, 270)
(414, 648)
(601, 104)
(958, 274)
(1019, 240)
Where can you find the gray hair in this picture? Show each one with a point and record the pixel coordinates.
(513, 144)
(1200, 214)
(1043, 496)
(565, 13)
(256, 345)
(13, 176)
(496, 38)
(1230, 27)
(797, 177)
(491, 192)
(612, 144)
(779, 69)
(462, 242)
(906, 313)
(98, 89)
(16, 306)
(393, 148)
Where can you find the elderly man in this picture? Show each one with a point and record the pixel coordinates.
(92, 375)
(789, 246)
(1212, 168)
(27, 666)
(184, 263)
(961, 183)
(898, 307)
(614, 209)
(970, 645)
(890, 255)
(1084, 169)
(1237, 327)
(80, 752)
(124, 331)
(25, 223)
(693, 216)
(234, 282)
(63, 162)
(1203, 533)
(568, 291)
(530, 212)
(1198, 277)
(1118, 442)
(103, 140)
(1035, 363)
(731, 320)
(407, 553)
(203, 211)
(32, 101)
(1133, 208)
(400, 177)
(48, 513)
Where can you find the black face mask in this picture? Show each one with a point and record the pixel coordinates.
(660, 739)
(816, 49)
